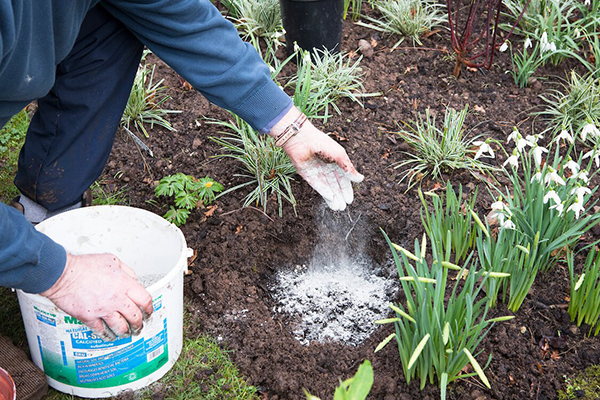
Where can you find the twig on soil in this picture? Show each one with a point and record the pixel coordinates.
(254, 208)
(351, 229)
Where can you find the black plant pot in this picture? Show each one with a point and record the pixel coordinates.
(312, 24)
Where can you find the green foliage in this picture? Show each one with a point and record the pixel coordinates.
(584, 385)
(450, 224)
(13, 133)
(438, 335)
(544, 203)
(584, 305)
(267, 168)
(12, 137)
(438, 150)
(323, 78)
(188, 192)
(510, 254)
(576, 106)
(355, 388)
(406, 18)
(256, 20)
(352, 7)
(144, 104)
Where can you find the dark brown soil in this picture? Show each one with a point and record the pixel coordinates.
(240, 249)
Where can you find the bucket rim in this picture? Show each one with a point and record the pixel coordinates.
(7, 382)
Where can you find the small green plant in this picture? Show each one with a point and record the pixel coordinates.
(355, 388)
(584, 305)
(576, 108)
(583, 385)
(329, 77)
(145, 103)
(104, 193)
(406, 18)
(438, 150)
(188, 192)
(256, 20)
(267, 168)
(450, 223)
(438, 336)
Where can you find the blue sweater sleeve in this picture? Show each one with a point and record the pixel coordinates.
(194, 39)
(29, 260)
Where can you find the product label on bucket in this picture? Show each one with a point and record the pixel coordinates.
(73, 355)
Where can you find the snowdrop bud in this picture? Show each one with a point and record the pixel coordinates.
(504, 47)
(528, 43)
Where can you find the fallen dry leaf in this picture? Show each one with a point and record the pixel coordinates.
(238, 229)
(479, 109)
(210, 210)
(339, 137)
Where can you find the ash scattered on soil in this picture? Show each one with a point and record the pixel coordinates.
(334, 302)
(341, 292)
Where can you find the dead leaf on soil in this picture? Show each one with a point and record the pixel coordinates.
(373, 42)
(365, 48)
(185, 84)
(479, 109)
(387, 153)
(339, 137)
(210, 210)
(238, 229)
(471, 69)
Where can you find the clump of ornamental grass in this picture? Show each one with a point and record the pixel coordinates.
(450, 222)
(188, 193)
(584, 303)
(145, 102)
(439, 150)
(267, 169)
(576, 109)
(473, 31)
(327, 77)
(548, 201)
(258, 20)
(437, 336)
(405, 18)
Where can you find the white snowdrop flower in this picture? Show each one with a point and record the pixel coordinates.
(595, 155)
(564, 135)
(484, 148)
(528, 43)
(558, 207)
(572, 166)
(552, 48)
(552, 195)
(513, 160)
(552, 176)
(508, 224)
(544, 38)
(537, 154)
(576, 207)
(537, 177)
(589, 129)
(514, 135)
(586, 2)
(521, 143)
(580, 192)
(582, 176)
(498, 205)
(504, 47)
(534, 138)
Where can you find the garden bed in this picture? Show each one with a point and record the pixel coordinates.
(241, 250)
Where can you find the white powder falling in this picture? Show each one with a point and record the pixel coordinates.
(150, 279)
(334, 302)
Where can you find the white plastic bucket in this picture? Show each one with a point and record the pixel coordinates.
(74, 360)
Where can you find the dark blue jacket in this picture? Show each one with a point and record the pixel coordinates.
(189, 35)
